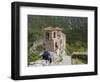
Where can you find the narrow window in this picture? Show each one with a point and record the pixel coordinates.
(54, 34)
(47, 35)
(56, 46)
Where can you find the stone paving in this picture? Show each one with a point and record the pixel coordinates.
(66, 61)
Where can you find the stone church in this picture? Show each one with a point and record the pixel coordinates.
(55, 40)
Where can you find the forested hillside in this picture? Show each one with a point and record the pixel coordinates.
(75, 29)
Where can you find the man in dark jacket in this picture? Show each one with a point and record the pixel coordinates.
(46, 56)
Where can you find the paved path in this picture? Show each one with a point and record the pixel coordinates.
(66, 61)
